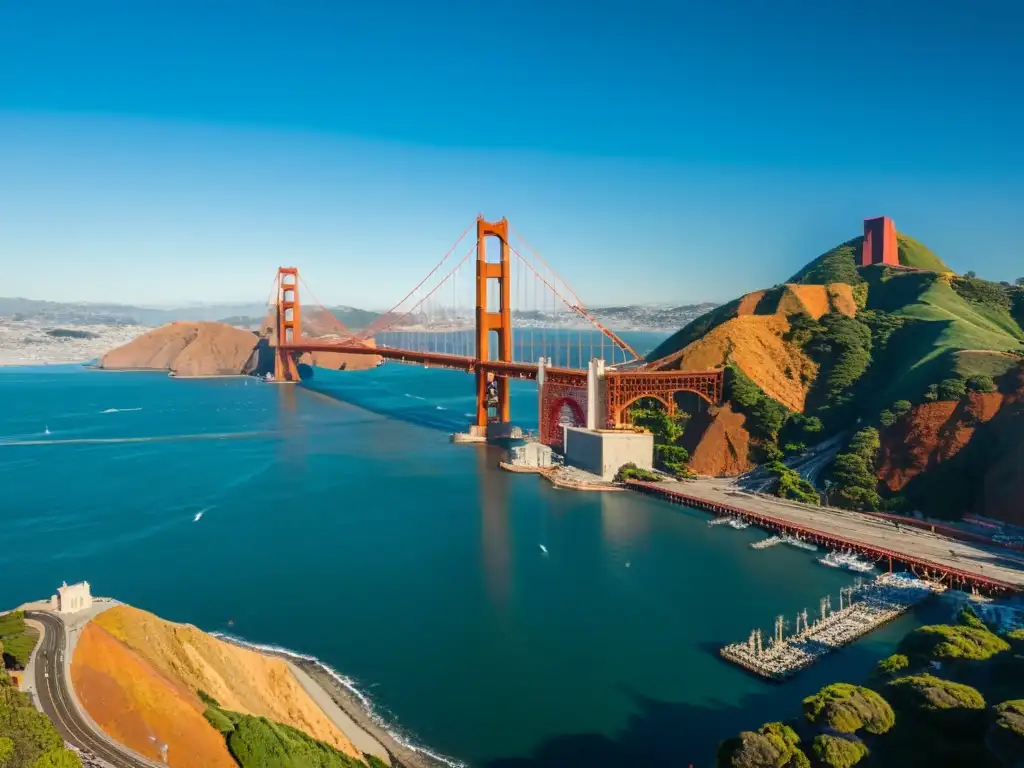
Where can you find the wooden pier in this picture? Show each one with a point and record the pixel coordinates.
(866, 608)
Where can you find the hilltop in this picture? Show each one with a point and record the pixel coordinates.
(868, 354)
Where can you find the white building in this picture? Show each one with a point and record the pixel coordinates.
(70, 599)
(530, 455)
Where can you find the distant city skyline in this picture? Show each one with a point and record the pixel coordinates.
(169, 153)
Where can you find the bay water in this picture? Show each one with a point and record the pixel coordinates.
(487, 615)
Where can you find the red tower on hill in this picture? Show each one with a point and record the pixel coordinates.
(880, 243)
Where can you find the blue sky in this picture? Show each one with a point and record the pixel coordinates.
(163, 152)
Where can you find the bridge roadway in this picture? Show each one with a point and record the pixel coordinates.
(51, 686)
(987, 567)
(441, 360)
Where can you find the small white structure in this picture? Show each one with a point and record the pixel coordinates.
(71, 599)
(530, 455)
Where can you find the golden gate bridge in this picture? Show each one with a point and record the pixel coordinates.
(498, 314)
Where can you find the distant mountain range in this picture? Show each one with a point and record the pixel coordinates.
(630, 318)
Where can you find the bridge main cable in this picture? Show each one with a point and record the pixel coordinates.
(373, 329)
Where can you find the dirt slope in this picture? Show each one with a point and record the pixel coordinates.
(931, 434)
(966, 456)
(187, 349)
(133, 702)
(752, 338)
(339, 361)
(241, 680)
(724, 446)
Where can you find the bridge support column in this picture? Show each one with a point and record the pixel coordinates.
(493, 278)
(540, 392)
(288, 324)
(595, 395)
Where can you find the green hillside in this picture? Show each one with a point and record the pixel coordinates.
(838, 265)
(920, 335)
(915, 254)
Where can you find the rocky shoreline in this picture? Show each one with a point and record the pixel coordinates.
(402, 755)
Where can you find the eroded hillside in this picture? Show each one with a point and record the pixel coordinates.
(138, 675)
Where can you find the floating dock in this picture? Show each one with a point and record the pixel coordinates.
(866, 607)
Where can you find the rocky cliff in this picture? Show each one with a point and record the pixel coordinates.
(138, 677)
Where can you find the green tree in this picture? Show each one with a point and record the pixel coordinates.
(981, 384)
(838, 752)
(890, 665)
(58, 758)
(773, 744)
(901, 407)
(1020, 281)
(971, 274)
(887, 418)
(849, 708)
(951, 389)
(6, 751)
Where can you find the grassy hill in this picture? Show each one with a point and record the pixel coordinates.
(841, 345)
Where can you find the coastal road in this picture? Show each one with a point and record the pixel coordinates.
(56, 702)
(988, 561)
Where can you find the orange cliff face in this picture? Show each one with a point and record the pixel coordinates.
(977, 441)
(138, 676)
(187, 349)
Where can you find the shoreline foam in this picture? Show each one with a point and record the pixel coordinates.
(343, 691)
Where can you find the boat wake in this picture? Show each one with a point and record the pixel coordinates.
(440, 408)
(151, 439)
(415, 397)
(349, 685)
(120, 410)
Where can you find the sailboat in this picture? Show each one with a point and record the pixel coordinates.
(46, 430)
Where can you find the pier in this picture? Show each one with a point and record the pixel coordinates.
(861, 609)
(927, 555)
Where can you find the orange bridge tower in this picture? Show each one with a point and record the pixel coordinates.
(493, 281)
(288, 324)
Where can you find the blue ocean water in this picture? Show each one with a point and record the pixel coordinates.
(338, 520)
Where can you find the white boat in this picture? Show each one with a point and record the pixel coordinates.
(771, 541)
(719, 521)
(796, 541)
(861, 566)
(832, 560)
(738, 524)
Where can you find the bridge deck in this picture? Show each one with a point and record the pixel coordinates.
(966, 564)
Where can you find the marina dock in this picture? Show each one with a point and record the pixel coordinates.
(861, 609)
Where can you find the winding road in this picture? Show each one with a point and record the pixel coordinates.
(55, 700)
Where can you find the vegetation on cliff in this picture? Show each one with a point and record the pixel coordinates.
(27, 737)
(16, 640)
(906, 716)
(257, 742)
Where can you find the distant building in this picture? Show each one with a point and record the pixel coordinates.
(70, 599)
(880, 245)
(530, 455)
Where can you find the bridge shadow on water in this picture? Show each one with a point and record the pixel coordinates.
(666, 734)
(411, 409)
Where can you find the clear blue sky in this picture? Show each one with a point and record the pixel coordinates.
(170, 151)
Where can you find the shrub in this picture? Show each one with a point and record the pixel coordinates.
(983, 384)
(944, 642)
(849, 708)
(58, 758)
(968, 618)
(892, 664)
(671, 454)
(1006, 731)
(12, 623)
(887, 418)
(941, 704)
(838, 752)
(218, 720)
(631, 471)
(207, 699)
(789, 484)
(951, 389)
(772, 744)
(901, 407)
